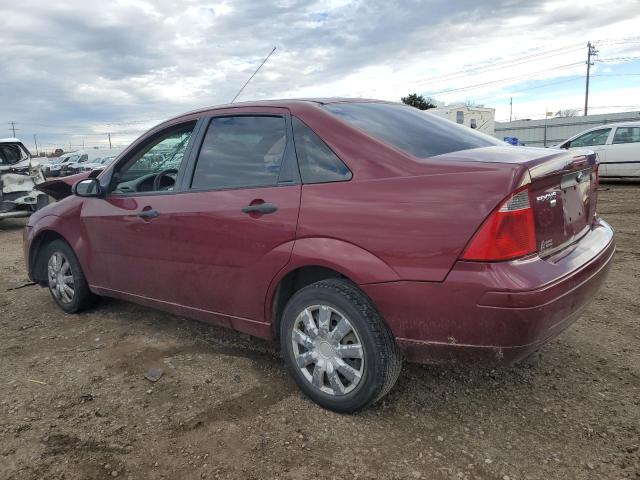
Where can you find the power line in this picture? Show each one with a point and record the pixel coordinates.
(494, 82)
(548, 84)
(618, 59)
(521, 60)
(503, 64)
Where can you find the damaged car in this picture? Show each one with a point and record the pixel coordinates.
(19, 175)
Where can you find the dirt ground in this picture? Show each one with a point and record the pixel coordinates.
(74, 402)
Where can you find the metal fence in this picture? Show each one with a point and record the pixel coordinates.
(552, 131)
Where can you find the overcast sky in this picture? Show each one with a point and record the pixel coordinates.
(73, 71)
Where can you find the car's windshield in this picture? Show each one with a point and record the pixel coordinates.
(409, 129)
(11, 153)
(165, 155)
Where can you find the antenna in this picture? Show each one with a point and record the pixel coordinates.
(254, 74)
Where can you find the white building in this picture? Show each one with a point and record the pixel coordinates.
(479, 118)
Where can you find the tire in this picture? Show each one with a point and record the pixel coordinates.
(316, 349)
(81, 298)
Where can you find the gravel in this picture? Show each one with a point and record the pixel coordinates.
(225, 407)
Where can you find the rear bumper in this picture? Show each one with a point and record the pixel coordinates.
(496, 312)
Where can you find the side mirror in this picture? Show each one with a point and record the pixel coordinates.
(566, 145)
(89, 187)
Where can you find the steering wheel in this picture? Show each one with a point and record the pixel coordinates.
(156, 181)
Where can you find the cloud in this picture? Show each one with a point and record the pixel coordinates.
(70, 68)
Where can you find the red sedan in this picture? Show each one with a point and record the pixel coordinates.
(357, 232)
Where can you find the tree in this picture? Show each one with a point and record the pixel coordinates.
(418, 101)
(572, 112)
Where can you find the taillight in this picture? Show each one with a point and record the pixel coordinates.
(507, 233)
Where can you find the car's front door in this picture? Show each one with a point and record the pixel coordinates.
(595, 140)
(129, 231)
(235, 222)
(623, 155)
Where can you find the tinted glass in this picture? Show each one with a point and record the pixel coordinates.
(241, 152)
(164, 154)
(318, 164)
(597, 137)
(627, 135)
(412, 130)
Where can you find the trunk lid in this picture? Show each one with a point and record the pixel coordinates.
(563, 189)
(563, 196)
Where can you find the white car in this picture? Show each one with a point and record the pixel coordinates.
(616, 144)
(56, 165)
(18, 177)
(97, 164)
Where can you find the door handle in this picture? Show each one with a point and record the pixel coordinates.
(148, 214)
(260, 208)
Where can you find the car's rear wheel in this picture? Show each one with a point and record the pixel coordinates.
(65, 278)
(337, 347)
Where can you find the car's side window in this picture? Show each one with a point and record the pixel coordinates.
(627, 135)
(597, 137)
(155, 166)
(241, 151)
(318, 164)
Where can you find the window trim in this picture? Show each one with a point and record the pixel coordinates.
(137, 147)
(288, 158)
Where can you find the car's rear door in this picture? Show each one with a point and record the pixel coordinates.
(235, 224)
(129, 231)
(623, 155)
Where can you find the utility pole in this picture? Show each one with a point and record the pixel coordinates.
(35, 140)
(591, 52)
(109, 140)
(510, 108)
(13, 128)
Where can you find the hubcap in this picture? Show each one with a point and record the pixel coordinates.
(61, 282)
(327, 350)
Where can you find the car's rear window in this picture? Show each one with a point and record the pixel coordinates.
(409, 129)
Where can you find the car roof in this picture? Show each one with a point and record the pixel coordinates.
(283, 103)
(617, 124)
(10, 140)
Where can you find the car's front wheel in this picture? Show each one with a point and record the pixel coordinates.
(337, 347)
(65, 278)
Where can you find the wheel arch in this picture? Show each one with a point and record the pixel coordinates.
(316, 259)
(37, 262)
